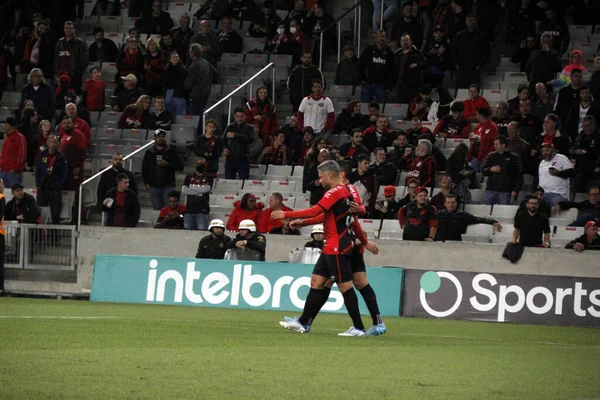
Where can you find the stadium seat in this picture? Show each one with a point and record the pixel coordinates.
(227, 185)
(134, 134)
(148, 217)
(232, 59)
(109, 134)
(110, 116)
(567, 215)
(66, 209)
(29, 180)
(504, 213)
(235, 71)
(282, 186)
(259, 60)
(371, 227)
(183, 133)
(281, 60)
(223, 201)
(302, 202)
(480, 210)
(462, 94)
(519, 77)
(476, 196)
(391, 235)
(257, 171)
(251, 43)
(279, 170)
(395, 109)
(390, 225)
(339, 91)
(480, 230)
(567, 232)
(298, 171)
(289, 201)
(108, 149)
(188, 120)
(258, 185)
(494, 95)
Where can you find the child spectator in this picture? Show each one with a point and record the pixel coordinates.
(61, 91)
(93, 91)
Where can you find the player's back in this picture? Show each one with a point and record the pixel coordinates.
(338, 219)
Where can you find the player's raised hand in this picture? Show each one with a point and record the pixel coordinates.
(278, 214)
(372, 247)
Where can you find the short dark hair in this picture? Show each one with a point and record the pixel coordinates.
(584, 86)
(160, 96)
(363, 157)
(320, 82)
(522, 87)
(174, 193)
(457, 106)
(121, 177)
(531, 197)
(484, 112)
(449, 196)
(278, 196)
(93, 68)
(476, 86)
(374, 104)
(576, 70)
(239, 109)
(425, 89)
(97, 29)
(554, 118)
(502, 139)
(355, 130)
(377, 149)
(412, 180)
(345, 167)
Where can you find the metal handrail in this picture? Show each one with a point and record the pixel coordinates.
(88, 180)
(357, 10)
(243, 85)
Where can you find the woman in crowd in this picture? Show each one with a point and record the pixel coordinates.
(175, 75)
(44, 130)
(130, 61)
(261, 112)
(155, 65)
(247, 208)
(350, 118)
(277, 153)
(459, 170)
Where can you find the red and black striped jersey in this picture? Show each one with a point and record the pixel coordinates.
(338, 220)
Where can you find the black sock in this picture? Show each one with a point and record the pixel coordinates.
(370, 298)
(314, 302)
(324, 298)
(351, 303)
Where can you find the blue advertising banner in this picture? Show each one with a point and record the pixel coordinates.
(226, 283)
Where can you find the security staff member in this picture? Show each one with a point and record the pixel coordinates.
(248, 238)
(213, 246)
(317, 235)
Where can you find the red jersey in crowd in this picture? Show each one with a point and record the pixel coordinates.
(81, 126)
(416, 221)
(94, 95)
(455, 129)
(487, 133)
(14, 152)
(73, 146)
(423, 169)
(471, 107)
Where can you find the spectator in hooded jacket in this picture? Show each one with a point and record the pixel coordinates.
(470, 52)
(155, 21)
(14, 154)
(377, 69)
(73, 146)
(575, 59)
(158, 169)
(379, 135)
(71, 56)
(103, 50)
(347, 71)
(474, 101)
(122, 205)
(266, 223)
(301, 78)
(260, 111)
(557, 28)
(51, 175)
(410, 64)
(246, 208)
(42, 95)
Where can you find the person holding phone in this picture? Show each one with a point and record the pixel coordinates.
(121, 205)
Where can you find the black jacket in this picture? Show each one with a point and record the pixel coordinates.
(174, 78)
(595, 245)
(108, 181)
(314, 244)
(110, 51)
(156, 175)
(238, 145)
(573, 118)
(542, 66)
(591, 145)
(510, 177)
(211, 149)
(229, 42)
(386, 173)
(378, 65)
(470, 50)
(392, 211)
(299, 82)
(257, 242)
(411, 77)
(452, 225)
(345, 122)
(213, 248)
(57, 177)
(345, 148)
(130, 64)
(78, 59)
(26, 212)
(567, 97)
(308, 183)
(131, 208)
(561, 143)
(126, 97)
(595, 84)
(155, 25)
(347, 72)
(559, 31)
(197, 204)
(46, 55)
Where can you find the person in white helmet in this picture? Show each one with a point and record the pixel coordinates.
(213, 246)
(317, 235)
(249, 238)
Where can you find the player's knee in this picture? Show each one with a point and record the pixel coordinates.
(344, 286)
(317, 282)
(329, 284)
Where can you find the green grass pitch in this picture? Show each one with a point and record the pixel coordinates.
(80, 350)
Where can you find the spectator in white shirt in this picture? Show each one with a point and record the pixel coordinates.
(554, 173)
(317, 111)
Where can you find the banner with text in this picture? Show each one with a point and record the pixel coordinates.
(226, 283)
(531, 299)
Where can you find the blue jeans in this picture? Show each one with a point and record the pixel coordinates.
(232, 168)
(553, 199)
(10, 179)
(388, 12)
(477, 164)
(196, 222)
(175, 105)
(158, 196)
(370, 90)
(584, 219)
(492, 197)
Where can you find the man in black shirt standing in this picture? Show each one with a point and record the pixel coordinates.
(419, 218)
(452, 223)
(377, 67)
(236, 139)
(196, 187)
(531, 225)
(505, 173)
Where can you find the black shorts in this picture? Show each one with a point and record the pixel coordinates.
(357, 264)
(336, 267)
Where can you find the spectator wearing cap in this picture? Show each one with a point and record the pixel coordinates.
(589, 210)
(388, 207)
(40, 93)
(379, 135)
(317, 111)
(103, 50)
(418, 219)
(553, 136)
(198, 81)
(158, 169)
(14, 154)
(121, 205)
(154, 21)
(51, 173)
(317, 235)
(354, 148)
(196, 187)
(555, 171)
(422, 166)
(452, 223)
(365, 182)
(453, 126)
(532, 228)
(484, 136)
(130, 62)
(474, 102)
(249, 238)
(347, 71)
(22, 207)
(266, 223)
(248, 208)
(171, 215)
(590, 240)
(71, 56)
(419, 106)
(377, 70)
(470, 52)
(128, 95)
(213, 246)
(505, 172)
(385, 171)
(236, 139)
(437, 52)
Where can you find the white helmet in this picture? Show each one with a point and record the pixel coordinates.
(247, 224)
(317, 229)
(216, 223)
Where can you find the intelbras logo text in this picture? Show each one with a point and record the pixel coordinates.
(239, 287)
(487, 295)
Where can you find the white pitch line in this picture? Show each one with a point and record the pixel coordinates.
(52, 317)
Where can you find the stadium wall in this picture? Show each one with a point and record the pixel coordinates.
(466, 257)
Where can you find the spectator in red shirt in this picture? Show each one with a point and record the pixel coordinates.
(171, 216)
(73, 147)
(122, 205)
(247, 208)
(93, 91)
(485, 133)
(418, 219)
(267, 224)
(131, 118)
(260, 111)
(453, 126)
(473, 103)
(14, 154)
(78, 123)
(422, 166)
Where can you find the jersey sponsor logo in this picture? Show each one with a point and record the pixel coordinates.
(379, 60)
(64, 53)
(414, 221)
